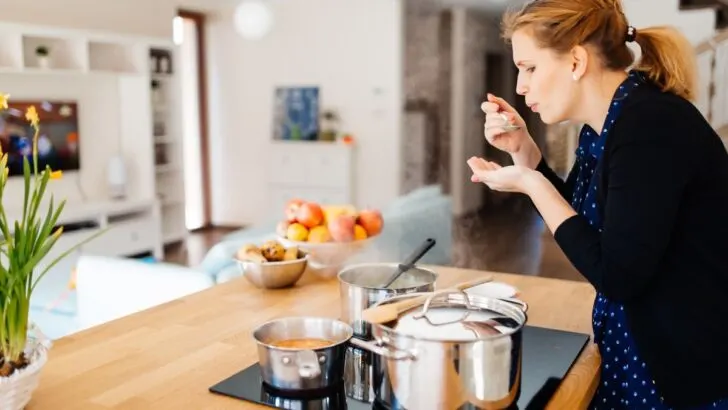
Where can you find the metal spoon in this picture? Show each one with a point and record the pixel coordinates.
(506, 127)
(410, 262)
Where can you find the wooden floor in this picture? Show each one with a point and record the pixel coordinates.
(510, 238)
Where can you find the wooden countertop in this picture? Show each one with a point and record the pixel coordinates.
(168, 356)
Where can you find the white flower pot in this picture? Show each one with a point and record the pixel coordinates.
(16, 390)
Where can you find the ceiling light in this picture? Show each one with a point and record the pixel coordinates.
(253, 19)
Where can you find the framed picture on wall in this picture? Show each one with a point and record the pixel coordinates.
(296, 113)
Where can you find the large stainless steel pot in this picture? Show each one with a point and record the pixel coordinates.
(302, 369)
(458, 351)
(360, 288)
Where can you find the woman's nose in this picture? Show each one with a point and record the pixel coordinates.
(521, 89)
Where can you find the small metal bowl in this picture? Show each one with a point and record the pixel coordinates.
(274, 275)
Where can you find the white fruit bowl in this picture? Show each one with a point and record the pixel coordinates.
(326, 259)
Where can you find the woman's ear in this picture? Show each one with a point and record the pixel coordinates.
(579, 60)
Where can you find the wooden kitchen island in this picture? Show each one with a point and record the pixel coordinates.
(168, 356)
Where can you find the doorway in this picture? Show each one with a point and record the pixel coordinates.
(189, 34)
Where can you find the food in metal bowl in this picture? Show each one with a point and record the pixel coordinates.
(270, 251)
(271, 265)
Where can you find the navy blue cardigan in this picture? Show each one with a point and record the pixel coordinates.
(663, 252)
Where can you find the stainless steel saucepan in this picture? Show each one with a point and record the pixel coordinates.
(360, 287)
(302, 353)
(456, 351)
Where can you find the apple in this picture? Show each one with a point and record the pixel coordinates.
(341, 228)
(292, 209)
(297, 232)
(319, 234)
(371, 220)
(310, 214)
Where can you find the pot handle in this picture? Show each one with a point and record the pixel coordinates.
(380, 350)
(308, 364)
(446, 292)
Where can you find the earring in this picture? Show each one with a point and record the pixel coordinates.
(573, 75)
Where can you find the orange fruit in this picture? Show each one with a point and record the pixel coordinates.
(319, 234)
(297, 232)
(359, 232)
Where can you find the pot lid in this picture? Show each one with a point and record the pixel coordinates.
(456, 316)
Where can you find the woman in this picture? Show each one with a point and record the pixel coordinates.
(643, 214)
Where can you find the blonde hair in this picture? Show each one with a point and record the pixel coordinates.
(668, 58)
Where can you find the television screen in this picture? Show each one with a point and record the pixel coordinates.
(57, 139)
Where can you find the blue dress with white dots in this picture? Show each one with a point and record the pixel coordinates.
(625, 380)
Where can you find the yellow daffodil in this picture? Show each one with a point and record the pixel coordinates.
(25, 242)
(32, 115)
(4, 101)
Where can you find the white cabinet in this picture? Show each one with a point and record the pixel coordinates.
(127, 237)
(132, 228)
(313, 171)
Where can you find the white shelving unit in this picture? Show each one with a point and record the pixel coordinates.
(165, 89)
(71, 51)
(322, 172)
(89, 60)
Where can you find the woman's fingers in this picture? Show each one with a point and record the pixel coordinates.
(490, 107)
(477, 164)
(494, 165)
(481, 168)
(503, 104)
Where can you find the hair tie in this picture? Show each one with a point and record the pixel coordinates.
(631, 34)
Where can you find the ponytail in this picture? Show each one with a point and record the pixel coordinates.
(668, 60)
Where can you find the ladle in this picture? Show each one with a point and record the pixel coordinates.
(410, 262)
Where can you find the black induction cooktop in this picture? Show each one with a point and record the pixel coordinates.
(547, 356)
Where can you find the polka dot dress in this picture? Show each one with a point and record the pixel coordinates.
(625, 379)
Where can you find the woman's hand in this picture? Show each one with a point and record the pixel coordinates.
(513, 178)
(516, 178)
(518, 143)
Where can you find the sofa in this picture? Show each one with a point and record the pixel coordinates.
(409, 220)
(110, 287)
(107, 288)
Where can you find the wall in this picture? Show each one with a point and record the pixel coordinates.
(697, 25)
(422, 57)
(436, 75)
(145, 17)
(470, 41)
(355, 61)
(423, 136)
